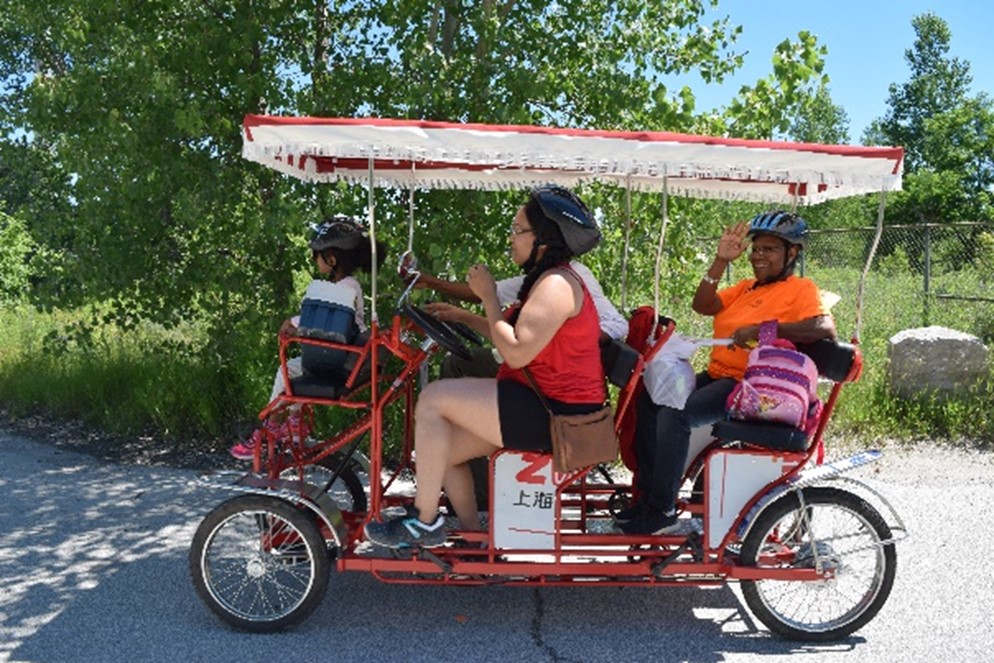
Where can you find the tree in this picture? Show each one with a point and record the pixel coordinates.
(138, 105)
(15, 247)
(820, 120)
(947, 134)
(131, 112)
(937, 85)
(767, 109)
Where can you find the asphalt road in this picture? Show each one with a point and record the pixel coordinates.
(93, 568)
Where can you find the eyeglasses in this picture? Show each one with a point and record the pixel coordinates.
(766, 250)
(515, 231)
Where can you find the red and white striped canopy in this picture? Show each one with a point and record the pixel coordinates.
(442, 155)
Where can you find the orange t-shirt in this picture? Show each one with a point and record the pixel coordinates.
(791, 300)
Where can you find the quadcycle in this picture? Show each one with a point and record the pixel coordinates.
(813, 550)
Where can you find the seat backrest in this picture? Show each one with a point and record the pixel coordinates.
(834, 358)
(327, 313)
(619, 360)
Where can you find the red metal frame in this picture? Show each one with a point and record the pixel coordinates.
(607, 558)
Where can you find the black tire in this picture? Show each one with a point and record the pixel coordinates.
(846, 534)
(259, 563)
(348, 492)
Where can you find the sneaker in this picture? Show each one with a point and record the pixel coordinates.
(651, 522)
(631, 512)
(295, 428)
(246, 450)
(407, 531)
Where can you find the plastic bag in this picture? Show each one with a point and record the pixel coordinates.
(669, 378)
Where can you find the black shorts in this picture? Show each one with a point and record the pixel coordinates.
(524, 422)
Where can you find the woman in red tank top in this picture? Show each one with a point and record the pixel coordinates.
(553, 330)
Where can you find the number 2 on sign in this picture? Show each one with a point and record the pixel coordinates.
(532, 471)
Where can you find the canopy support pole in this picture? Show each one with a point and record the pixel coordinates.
(371, 215)
(628, 240)
(869, 262)
(659, 248)
(410, 213)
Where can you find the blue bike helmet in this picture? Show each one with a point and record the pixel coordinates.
(565, 209)
(789, 227)
(339, 231)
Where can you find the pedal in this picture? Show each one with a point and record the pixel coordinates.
(692, 544)
(426, 555)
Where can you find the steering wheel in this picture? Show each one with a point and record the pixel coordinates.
(467, 332)
(438, 331)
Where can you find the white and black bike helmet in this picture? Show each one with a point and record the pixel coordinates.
(571, 216)
(340, 231)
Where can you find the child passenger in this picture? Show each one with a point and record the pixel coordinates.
(340, 246)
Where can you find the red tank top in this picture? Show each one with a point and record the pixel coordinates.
(569, 368)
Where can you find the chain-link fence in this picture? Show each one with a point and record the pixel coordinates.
(929, 274)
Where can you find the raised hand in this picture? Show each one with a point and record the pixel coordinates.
(481, 282)
(733, 243)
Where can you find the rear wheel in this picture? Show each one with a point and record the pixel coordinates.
(843, 534)
(259, 563)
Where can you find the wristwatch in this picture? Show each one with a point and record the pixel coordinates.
(707, 279)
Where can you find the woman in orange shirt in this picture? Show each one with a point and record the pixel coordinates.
(662, 433)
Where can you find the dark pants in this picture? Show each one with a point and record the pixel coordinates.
(662, 437)
(482, 365)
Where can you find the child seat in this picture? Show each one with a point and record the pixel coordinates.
(327, 313)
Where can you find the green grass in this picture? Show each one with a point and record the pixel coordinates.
(146, 380)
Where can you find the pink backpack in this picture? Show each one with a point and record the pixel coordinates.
(779, 385)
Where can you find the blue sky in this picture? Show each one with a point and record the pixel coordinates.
(866, 42)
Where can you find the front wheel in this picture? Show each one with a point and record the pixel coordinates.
(259, 563)
(833, 529)
(347, 491)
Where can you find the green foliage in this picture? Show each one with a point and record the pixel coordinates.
(872, 407)
(15, 249)
(134, 109)
(819, 120)
(767, 109)
(985, 257)
(894, 264)
(162, 262)
(145, 379)
(938, 84)
(947, 134)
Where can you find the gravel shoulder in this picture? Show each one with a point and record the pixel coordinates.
(143, 450)
(956, 461)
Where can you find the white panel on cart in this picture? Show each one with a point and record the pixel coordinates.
(700, 437)
(524, 514)
(734, 477)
